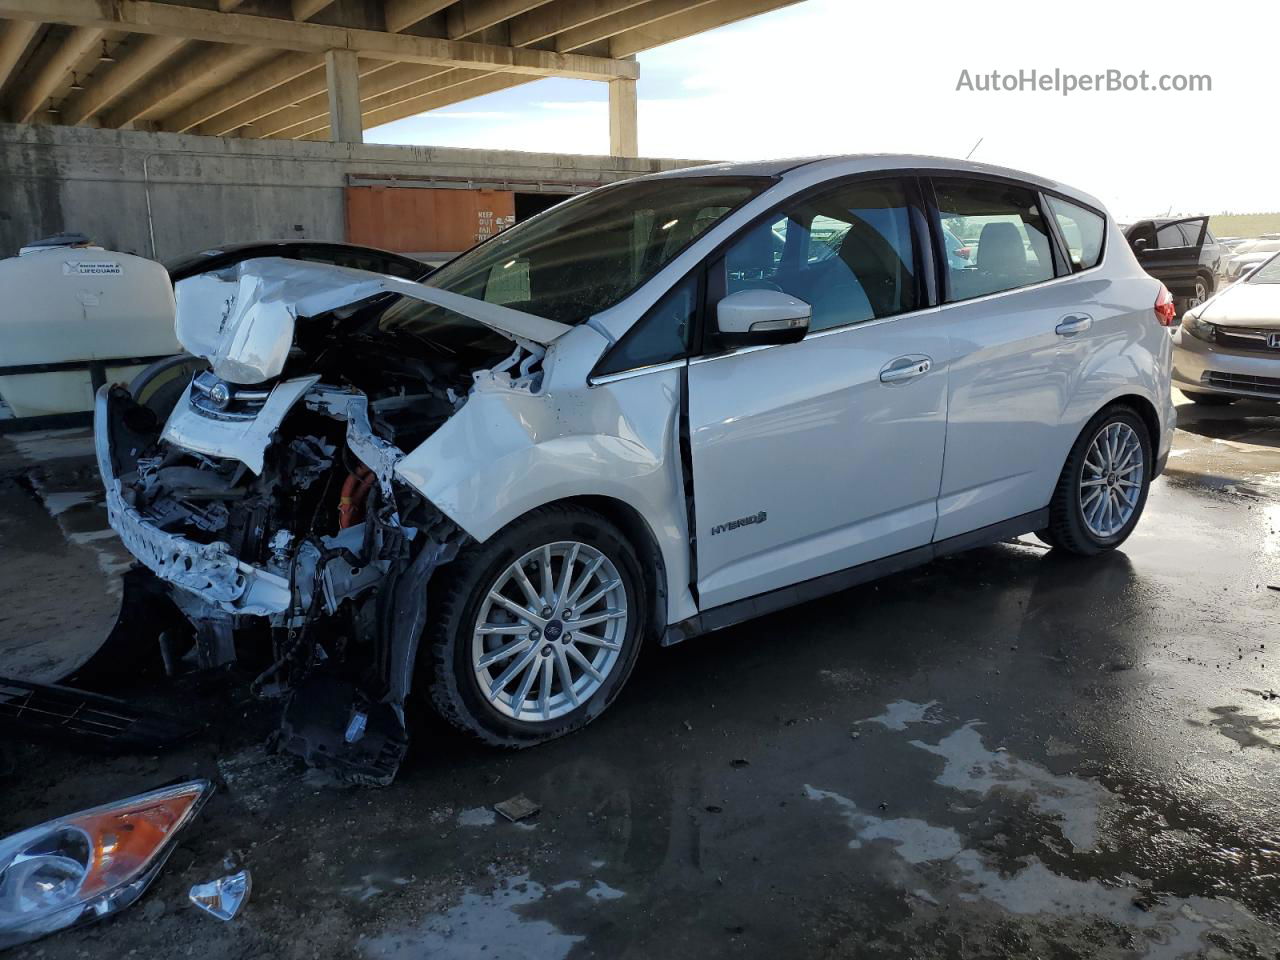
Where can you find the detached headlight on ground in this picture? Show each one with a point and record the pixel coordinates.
(89, 865)
(1200, 329)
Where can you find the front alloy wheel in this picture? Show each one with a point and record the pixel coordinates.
(549, 631)
(534, 632)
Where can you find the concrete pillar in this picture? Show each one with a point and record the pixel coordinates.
(624, 121)
(343, 75)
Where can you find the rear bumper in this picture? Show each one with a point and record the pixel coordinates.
(1211, 368)
(208, 570)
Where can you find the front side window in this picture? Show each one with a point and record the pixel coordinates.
(585, 256)
(848, 253)
(1170, 236)
(1007, 236)
(1083, 231)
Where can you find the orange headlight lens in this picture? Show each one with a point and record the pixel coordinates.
(89, 864)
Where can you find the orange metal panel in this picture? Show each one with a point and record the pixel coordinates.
(419, 220)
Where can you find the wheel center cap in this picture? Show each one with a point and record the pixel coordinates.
(1111, 479)
(553, 630)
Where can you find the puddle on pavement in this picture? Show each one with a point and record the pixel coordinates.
(971, 767)
(942, 867)
(901, 713)
(493, 924)
(1246, 729)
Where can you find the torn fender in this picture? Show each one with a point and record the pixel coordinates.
(242, 320)
(509, 451)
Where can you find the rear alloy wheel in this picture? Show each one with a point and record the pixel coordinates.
(1202, 292)
(538, 628)
(1104, 483)
(1209, 399)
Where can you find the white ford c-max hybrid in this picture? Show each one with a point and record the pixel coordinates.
(655, 410)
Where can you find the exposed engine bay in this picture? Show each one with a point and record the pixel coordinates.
(261, 496)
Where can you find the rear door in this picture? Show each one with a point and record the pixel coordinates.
(816, 456)
(1020, 335)
(1170, 251)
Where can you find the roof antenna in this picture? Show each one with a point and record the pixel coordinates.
(975, 147)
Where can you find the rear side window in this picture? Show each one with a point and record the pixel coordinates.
(1004, 230)
(1082, 229)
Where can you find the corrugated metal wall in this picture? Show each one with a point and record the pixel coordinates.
(423, 219)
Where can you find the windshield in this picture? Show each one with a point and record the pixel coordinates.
(1269, 272)
(587, 255)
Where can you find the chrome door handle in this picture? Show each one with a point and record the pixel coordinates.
(905, 368)
(1072, 324)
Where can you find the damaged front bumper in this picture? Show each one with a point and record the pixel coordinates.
(211, 572)
(352, 720)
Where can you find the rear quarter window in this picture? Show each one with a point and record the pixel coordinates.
(1082, 229)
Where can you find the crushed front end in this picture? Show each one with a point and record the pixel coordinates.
(267, 511)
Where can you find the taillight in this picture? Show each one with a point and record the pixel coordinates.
(1166, 314)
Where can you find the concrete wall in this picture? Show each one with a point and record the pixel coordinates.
(163, 194)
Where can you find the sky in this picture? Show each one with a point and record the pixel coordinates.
(853, 76)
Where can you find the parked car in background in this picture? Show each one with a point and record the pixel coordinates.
(1182, 253)
(1229, 347)
(311, 251)
(1248, 255)
(656, 410)
(959, 254)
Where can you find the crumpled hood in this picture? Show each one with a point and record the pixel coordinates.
(242, 320)
(1244, 305)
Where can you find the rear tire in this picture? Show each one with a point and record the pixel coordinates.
(1103, 486)
(1209, 399)
(466, 622)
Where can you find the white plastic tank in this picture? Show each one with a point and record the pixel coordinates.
(63, 300)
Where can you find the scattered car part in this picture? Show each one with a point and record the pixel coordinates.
(333, 725)
(223, 897)
(517, 808)
(131, 654)
(40, 710)
(92, 864)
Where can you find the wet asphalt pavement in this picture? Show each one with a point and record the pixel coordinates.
(1005, 754)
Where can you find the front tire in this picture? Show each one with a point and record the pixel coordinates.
(1103, 486)
(535, 631)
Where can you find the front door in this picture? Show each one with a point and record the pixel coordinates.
(816, 456)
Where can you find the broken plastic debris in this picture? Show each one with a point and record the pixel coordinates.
(517, 808)
(222, 897)
(355, 727)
